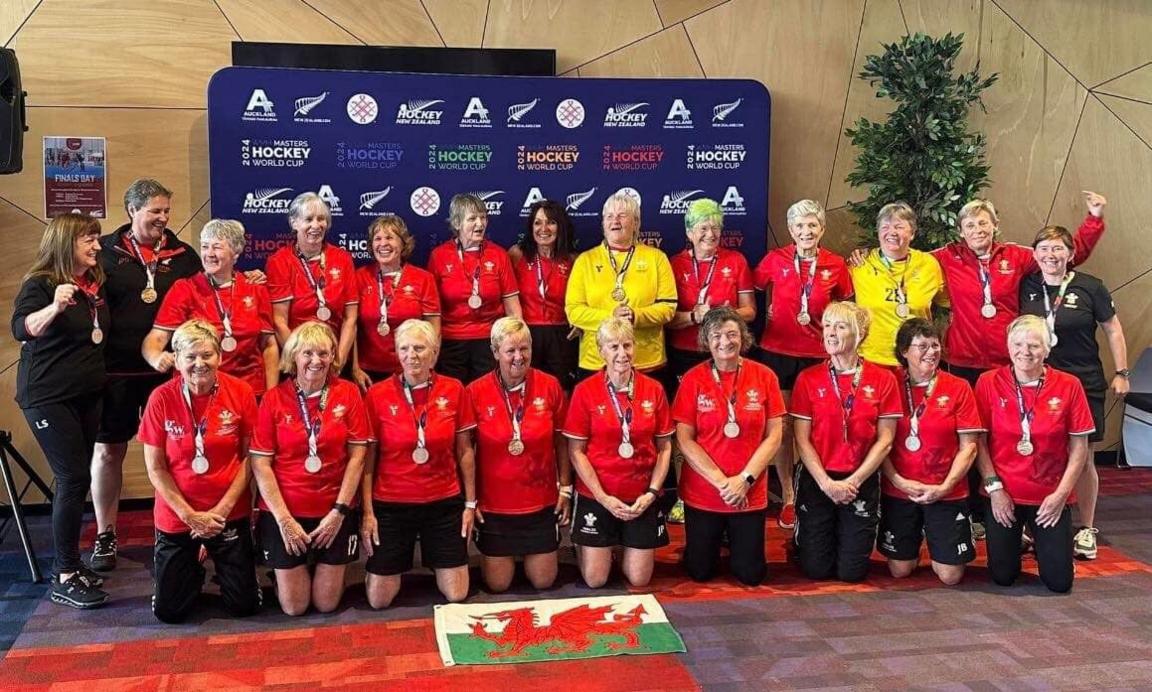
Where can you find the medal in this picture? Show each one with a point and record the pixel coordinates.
(200, 465)
(323, 313)
(626, 450)
(912, 443)
(988, 311)
(902, 310)
(383, 329)
(516, 448)
(1051, 341)
(619, 295)
(148, 295)
(804, 319)
(731, 430)
(228, 343)
(97, 335)
(1024, 448)
(474, 301)
(312, 464)
(420, 455)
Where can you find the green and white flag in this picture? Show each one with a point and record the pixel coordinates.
(553, 630)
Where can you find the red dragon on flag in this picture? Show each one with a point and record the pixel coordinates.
(572, 630)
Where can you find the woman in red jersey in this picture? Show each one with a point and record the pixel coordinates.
(238, 309)
(308, 454)
(391, 291)
(620, 443)
(421, 483)
(1038, 423)
(846, 410)
(924, 487)
(801, 279)
(195, 431)
(728, 415)
(523, 478)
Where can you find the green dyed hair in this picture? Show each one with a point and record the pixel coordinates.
(703, 209)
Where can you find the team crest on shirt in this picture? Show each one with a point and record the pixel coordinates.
(539, 403)
(1054, 403)
(942, 400)
(249, 302)
(705, 403)
(228, 423)
(1003, 402)
(600, 409)
(1071, 299)
(869, 391)
(648, 406)
(339, 410)
(727, 272)
(489, 266)
(442, 403)
(753, 396)
(1005, 267)
(174, 428)
(825, 274)
(334, 272)
(408, 288)
(491, 411)
(288, 419)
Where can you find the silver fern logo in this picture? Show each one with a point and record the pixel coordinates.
(419, 112)
(305, 105)
(677, 201)
(721, 112)
(574, 201)
(626, 115)
(369, 200)
(488, 197)
(517, 111)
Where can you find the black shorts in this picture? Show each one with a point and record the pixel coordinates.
(465, 359)
(595, 527)
(1096, 406)
(943, 524)
(378, 375)
(785, 367)
(435, 524)
(681, 361)
(510, 535)
(179, 576)
(835, 541)
(554, 353)
(124, 399)
(345, 548)
(969, 375)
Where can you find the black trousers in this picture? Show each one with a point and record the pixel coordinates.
(554, 353)
(835, 541)
(66, 432)
(1053, 548)
(703, 533)
(180, 576)
(465, 359)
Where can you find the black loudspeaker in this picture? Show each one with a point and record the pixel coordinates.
(12, 114)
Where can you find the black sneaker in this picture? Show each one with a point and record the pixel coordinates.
(91, 577)
(77, 592)
(104, 552)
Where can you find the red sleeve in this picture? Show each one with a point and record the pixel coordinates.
(465, 416)
(776, 407)
(664, 426)
(743, 276)
(279, 278)
(1079, 414)
(435, 267)
(983, 396)
(762, 277)
(249, 412)
(370, 412)
(1089, 233)
(559, 403)
(577, 422)
(684, 405)
(359, 429)
(801, 404)
(152, 430)
(508, 284)
(967, 415)
(890, 405)
(351, 285)
(172, 312)
(429, 298)
(264, 434)
(264, 309)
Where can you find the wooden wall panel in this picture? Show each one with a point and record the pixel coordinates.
(1032, 114)
(12, 15)
(667, 54)
(391, 23)
(938, 17)
(579, 30)
(675, 11)
(282, 21)
(1134, 85)
(23, 233)
(1135, 114)
(460, 22)
(143, 53)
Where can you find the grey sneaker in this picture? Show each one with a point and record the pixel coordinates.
(1084, 544)
(104, 552)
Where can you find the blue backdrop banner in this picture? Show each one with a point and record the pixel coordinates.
(373, 143)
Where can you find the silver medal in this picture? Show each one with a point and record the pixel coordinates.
(200, 465)
(626, 450)
(228, 343)
(383, 329)
(474, 301)
(912, 443)
(804, 319)
(420, 455)
(516, 448)
(1024, 448)
(902, 310)
(988, 311)
(323, 313)
(312, 464)
(731, 429)
(1052, 340)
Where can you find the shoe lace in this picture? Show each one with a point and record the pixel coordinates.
(105, 543)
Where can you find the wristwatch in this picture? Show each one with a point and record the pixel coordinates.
(656, 492)
(749, 479)
(470, 504)
(342, 508)
(992, 484)
(1124, 372)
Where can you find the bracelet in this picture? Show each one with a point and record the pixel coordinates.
(566, 489)
(342, 508)
(656, 492)
(470, 504)
(993, 487)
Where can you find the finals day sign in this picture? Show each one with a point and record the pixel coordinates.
(372, 143)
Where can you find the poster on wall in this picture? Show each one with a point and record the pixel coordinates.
(75, 176)
(371, 143)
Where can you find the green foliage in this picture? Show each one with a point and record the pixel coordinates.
(924, 154)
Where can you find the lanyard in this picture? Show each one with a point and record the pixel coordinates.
(517, 415)
(316, 284)
(312, 426)
(421, 420)
(622, 270)
(846, 403)
(386, 297)
(805, 284)
(201, 426)
(623, 415)
(1026, 414)
(702, 296)
(225, 315)
(93, 311)
(901, 293)
(985, 279)
(541, 285)
(917, 411)
(1051, 306)
(475, 272)
(735, 388)
(149, 267)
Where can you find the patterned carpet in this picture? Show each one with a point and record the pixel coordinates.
(788, 634)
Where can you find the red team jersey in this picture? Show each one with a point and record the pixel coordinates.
(1059, 409)
(454, 279)
(412, 295)
(813, 399)
(549, 308)
(281, 434)
(951, 410)
(703, 404)
(507, 484)
(730, 278)
(230, 416)
(832, 282)
(251, 314)
(591, 417)
(398, 478)
(288, 282)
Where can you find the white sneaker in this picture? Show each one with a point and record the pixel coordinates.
(1084, 544)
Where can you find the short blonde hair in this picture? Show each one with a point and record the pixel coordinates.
(506, 327)
(857, 317)
(420, 328)
(309, 334)
(626, 203)
(228, 230)
(614, 329)
(1031, 323)
(899, 210)
(806, 207)
(194, 332)
(975, 207)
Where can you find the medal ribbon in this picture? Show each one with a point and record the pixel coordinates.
(622, 270)
(1026, 414)
(149, 267)
(316, 284)
(735, 388)
(702, 296)
(623, 415)
(225, 315)
(805, 284)
(93, 311)
(985, 280)
(541, 285)
(421, 420)
(200, 427)
(515, 415)
(386, 297)
(476, 272)
(917, 411)
(846, 403)
(311, 425)
(1051, 306)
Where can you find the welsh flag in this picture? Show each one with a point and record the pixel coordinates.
(553, 630)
